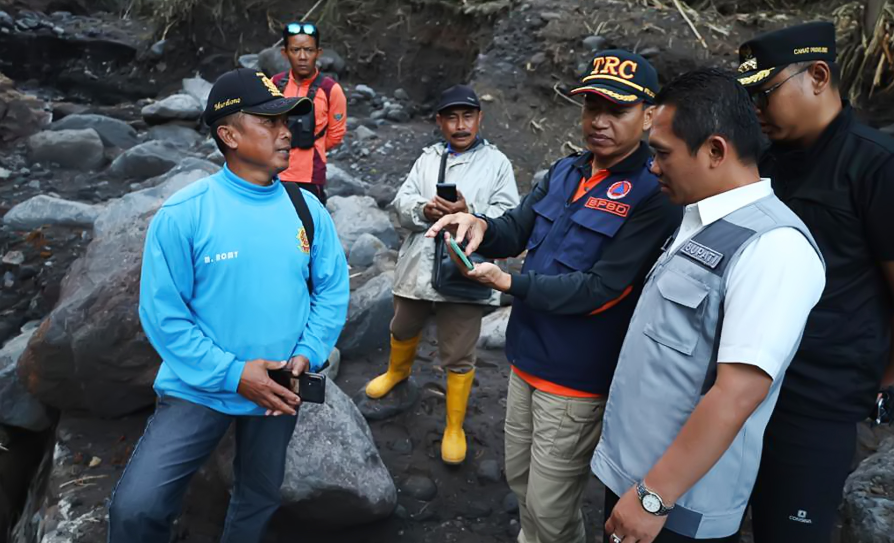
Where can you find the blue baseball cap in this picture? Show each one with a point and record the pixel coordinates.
(620, 76)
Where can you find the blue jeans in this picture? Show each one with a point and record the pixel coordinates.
(178, 439)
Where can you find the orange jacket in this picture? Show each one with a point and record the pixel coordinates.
(331, 111)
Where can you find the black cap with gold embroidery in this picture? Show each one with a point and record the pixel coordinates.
(248, 91)
(765, 56)
(620, 76)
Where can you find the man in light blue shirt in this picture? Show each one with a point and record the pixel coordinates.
(231, 289)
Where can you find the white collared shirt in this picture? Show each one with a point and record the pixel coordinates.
(768, 298)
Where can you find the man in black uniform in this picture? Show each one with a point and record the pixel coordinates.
(837, 175)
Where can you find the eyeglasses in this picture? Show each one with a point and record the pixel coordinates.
(295, 29)
(761, 98)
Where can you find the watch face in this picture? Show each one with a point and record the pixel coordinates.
(651, 503)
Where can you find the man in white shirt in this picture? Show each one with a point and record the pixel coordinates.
(719, 320)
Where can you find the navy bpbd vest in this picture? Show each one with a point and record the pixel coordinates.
(578, 352)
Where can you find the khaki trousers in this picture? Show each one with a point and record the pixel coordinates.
(459, 326)
(549, 443)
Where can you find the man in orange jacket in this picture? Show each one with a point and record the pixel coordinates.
(318, 132)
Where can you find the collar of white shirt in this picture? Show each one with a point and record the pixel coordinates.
(720, 205)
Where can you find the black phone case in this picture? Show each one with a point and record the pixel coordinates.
(452, 196)
(312, 387)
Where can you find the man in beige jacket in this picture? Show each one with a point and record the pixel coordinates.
(485, 184)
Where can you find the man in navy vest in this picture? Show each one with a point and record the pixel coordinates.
(592, 229)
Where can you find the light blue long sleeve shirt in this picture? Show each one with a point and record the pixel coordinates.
(224, 281)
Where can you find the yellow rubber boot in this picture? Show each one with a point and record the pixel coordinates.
(453, 445)
(400, 363)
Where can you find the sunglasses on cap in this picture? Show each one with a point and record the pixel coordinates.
(296, 29)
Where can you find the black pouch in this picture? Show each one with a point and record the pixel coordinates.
(303, 125)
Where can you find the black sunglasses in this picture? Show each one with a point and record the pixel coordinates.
(761, 98)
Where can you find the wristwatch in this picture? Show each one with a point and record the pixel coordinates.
(652, 502)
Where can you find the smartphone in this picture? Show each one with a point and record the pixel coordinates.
(884, 408)
(311, 386)
(462, 255)
(447, 191)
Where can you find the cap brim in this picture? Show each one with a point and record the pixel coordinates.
(611, 94)
(279, 106)
(754, 78)
(457, 103)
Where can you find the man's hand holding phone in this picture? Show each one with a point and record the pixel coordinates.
(486, 273)
(257, 385)
(463, 227)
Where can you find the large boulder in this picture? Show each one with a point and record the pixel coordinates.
(112, 132)
(358, 215)
(198, 88)
(177, 107)
(147, 160)
(334, 474)
(90, 353)
(331, 61)
(364, 251)
(183, 137)
(21, 115)
(271, 61)
(341, 183)
(42, 209)
(18, 407)
(493, 329)
(74, 149)
(869, 499)
(369, 317)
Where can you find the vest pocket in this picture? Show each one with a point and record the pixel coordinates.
(676, 322)
(543, 223)
(583, 244)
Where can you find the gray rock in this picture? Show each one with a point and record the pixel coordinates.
(180, 136)
(510, 503)
(334, 474)
(331, 61)
(4, 173)
(477, 510)
(90, 354)
(17, 258)
(249, 61)
(538, 58)
(198, 88)
(17, 407)
(147, 160)
(363, 133)
(364, 251)
(888, 130)
(366, 91)
(112, 132)
(42, 209)
(385, 261)
(341, 183)
(868, 510)
(550, 16)
(398, 115)
(331, 371)
(383, 194)
(489, 472)
(6, 21)
(419, 487)
(493, 329)
(402, 95)
(158, 48)
(369, 315)
(377, 114)
(402, 398)
(650, 52)
(595, 43)
(402, 446)
(74, 149)
(356, 215)
(539, 177)
(177, 107)
(271, 61)
(21, 115)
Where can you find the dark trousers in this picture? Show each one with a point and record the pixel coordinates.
(317, 190)
(799, 486)
(178, 439)
(665, 536)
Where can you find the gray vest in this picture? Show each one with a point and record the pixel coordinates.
(669, 361)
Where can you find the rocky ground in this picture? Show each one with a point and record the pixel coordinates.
(91, 143)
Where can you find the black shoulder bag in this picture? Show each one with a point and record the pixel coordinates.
(307, 220)
(302, 126)
(446, 277)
